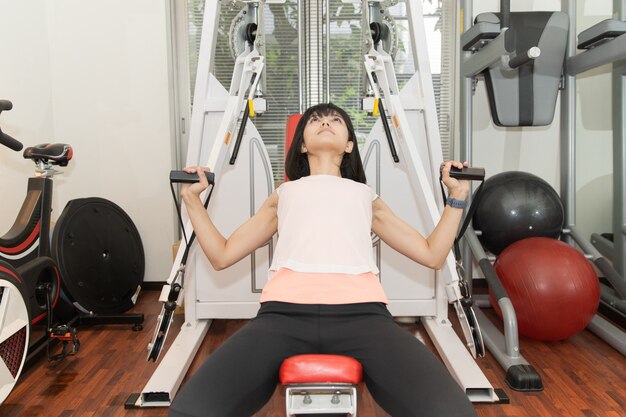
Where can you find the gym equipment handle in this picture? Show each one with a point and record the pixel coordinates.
(492, 279)
(468, 173)
(187, 178)
(521, 59)
(5, 139)
(10, 143)
(5, 105)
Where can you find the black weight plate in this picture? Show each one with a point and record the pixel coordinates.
(100, 255)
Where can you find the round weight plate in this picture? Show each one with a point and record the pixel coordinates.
(14, 329)
(100, 255)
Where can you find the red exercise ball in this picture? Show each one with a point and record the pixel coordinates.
(554, 289)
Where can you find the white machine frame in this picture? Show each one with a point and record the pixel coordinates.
(413, 290)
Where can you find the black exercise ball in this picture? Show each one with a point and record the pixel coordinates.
(516, 205)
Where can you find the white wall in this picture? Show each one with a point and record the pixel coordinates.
(94, 74)
(536, 149)
(25, 80)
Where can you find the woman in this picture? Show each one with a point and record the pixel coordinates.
(324, 295)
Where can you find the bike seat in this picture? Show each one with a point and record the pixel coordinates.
(53, 153)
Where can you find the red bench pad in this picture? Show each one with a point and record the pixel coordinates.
(302, 369)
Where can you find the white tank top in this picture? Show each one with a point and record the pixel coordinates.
(324, 225)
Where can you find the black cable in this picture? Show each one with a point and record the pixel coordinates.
(386, 128)
(383, 118)
(180, 221)
(468, 217)
(180, 217)
(466, 301)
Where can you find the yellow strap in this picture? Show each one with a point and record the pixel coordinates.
(375, 111)
(251, 107)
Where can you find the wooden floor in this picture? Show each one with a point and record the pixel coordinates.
(583, 377)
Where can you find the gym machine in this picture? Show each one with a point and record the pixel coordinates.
(222, 138)
(14, 307)
(601, 44)
(395, 161)
(490, 48)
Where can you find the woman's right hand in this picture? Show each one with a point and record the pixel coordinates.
(456, 188)
(188, 191)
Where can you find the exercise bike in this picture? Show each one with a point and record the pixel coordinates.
(26, 246)
(94, 243)
(22, 271)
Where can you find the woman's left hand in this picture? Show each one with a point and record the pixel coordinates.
(456, 189)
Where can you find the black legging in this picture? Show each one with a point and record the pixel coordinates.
(402, 375)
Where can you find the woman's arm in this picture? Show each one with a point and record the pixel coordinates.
(223, 252)
(432, 250)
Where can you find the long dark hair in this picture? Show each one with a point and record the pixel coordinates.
(297, 163)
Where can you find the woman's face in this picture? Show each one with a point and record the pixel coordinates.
(326, 133)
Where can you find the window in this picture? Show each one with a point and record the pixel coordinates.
(281, 69)
(347, 81)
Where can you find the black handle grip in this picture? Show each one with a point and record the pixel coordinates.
(521, 59)
(468, 173)
(187, 178)
(9, 142)
(5, 139)
(5, 105)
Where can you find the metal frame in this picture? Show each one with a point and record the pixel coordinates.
(301, 399)
(503, 345)
(210, 294)
(412, 117)
(214, 106)
(612, 51)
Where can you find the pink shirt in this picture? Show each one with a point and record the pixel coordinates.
(324, 252)
(323, 288)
